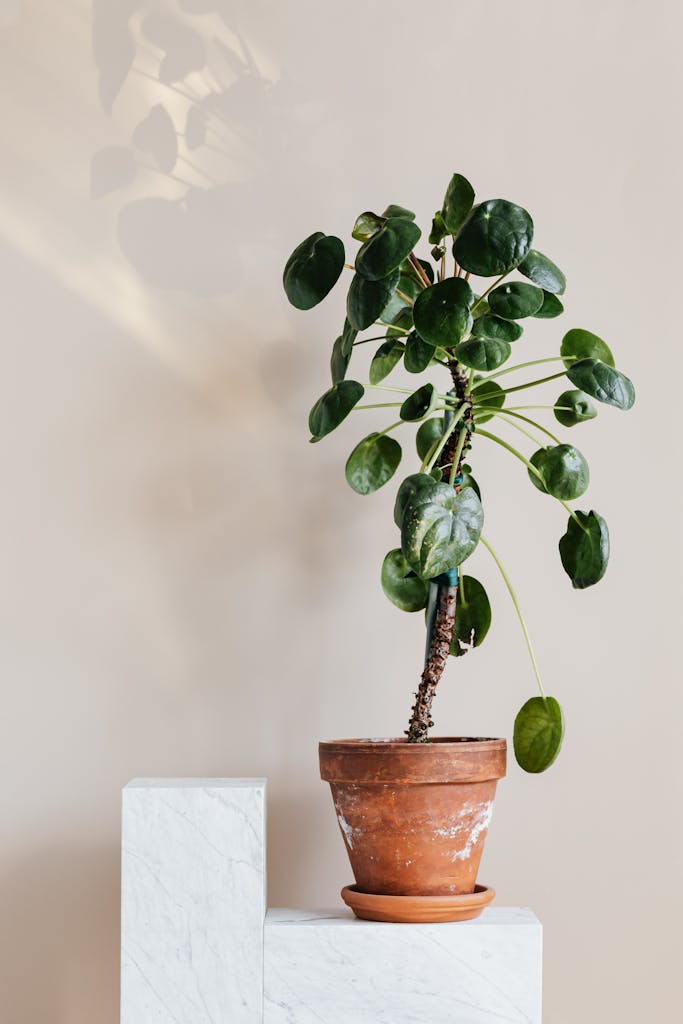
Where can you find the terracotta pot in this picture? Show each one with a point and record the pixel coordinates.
(414, 816)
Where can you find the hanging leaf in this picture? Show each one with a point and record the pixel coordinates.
(419, 404)
(372, 463)
(482, 353)
(538, 733)
(385, 359)
(543, 272)
(349, 335)
(333, 407)
(419, 354)
(488, 393)
(576, 407)
(584, 549)
(603, 382)
(339, 362)
(440, 529)
(551, 307)
(495, 327)
(367, 225)
(579, 344)
(313, 269)
(457, 203)
(472, 616)
(441, 312)
(494, 238)
(386, 250)
(439, 229)
(367, 299)
(516, 300)
(429, 434)
(564, 471)
(393, 210)
(400, 584)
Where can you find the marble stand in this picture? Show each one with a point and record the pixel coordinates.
(197, 946)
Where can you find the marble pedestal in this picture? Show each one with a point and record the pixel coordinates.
(197, 946)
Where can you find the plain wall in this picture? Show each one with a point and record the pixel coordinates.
(189, 587)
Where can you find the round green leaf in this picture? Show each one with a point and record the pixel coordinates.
(457, 203)
(538, 733)
(414, 486)
(469, 481)
(543, 272)
(496, 327)
(367, 299)
(579, 344)
(372, 462)
(400, 584)
(385, 359)
(472, 616)
(575, 407)
(584, 549)
(441, 312)
(440, 528)
(419, 404)
(339, 362)
(516, 300)
(551, 307)
(313, 269)
(564, 470)
(603, 382)
(429, 434)
(387, 248)
(482, 353)
(488, 393)
(393, 210)
(494, 238)
(419, 354)
(333, 407)
(367, 225)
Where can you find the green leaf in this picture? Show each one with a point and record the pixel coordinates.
(516, 300)
(551, 307)
(584, 549)
(385, 359)
(482, 353)
(472, 616)
(489, 326)
(403, 588)
(349, 335)
(419, 404)
(577, 408)
(367, 299)
(543, 272)
(339, 362)
(439, 230)
(333, 407)
(489, 393)
(440, 529)
(393, 210)
(313, 269)
(367, 225)
(386, 250)
(538, 733)
(469, 481)
(372, 462)
(564, 470)
(419, 354)
(457, 203)
(429, 433)
(494, 238)
(579, 344)
(397, 307)
(603, 382)
(411, 489)
(441, 312)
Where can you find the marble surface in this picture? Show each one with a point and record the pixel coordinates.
(193, 901)
(326, 967)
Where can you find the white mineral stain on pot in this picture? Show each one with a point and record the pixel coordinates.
(472, 820)
(346, 829)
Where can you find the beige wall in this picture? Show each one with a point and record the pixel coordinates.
(188, 587)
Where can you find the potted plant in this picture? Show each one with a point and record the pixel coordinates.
(414, 811)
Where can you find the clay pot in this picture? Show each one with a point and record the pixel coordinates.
(414, 816)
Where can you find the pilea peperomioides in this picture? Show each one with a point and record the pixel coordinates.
(442, 320)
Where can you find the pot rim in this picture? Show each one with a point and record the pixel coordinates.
(394, 761)
(382, 742)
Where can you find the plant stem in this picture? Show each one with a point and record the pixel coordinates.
(515, 602)
(420, 270)
(406, 298)
(376, 337)
(456, 457)
(386, 387)
(523, 387)
(522, 366)
(439, 646)
(526, 419)
(392, 426)
(378, 405)
(428, 464)
(513, 451)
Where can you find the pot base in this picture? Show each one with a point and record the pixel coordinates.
(417, 909)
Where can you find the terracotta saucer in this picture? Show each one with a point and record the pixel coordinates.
(417, 909)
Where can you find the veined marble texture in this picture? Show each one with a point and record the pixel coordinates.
(193, 901)
(329, 968)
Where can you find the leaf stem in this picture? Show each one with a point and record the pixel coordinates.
(406, 298)
(419, 269)
(375, 337)
(456, 457)
(513, 451)
(529, 384)
(489, 289)
(378, 405)
(393, 426)
(429, 462)
(523, 366)
(532, 423)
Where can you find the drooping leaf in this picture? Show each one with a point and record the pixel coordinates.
(440, 529)
(419, 404)
(580, 344)
(490, 326)
(538, 733)
(313, 269)
(400, 584)
(516, 300)
(367, 225)
(333, 407)
(564, 471)
(576, 407)
(472, 616)
(372, 463)
(339, 362)
(385, 251)
(441, 312)
(488, 393)
(457, 203)
(584, 549)
(429, 434)
(393, 210)
(418, 355)
(482, 353)
(543, 272)
(494, 238)
(367, 299)
(349, 335)
(602, 382)
(551, 307)
(385, 359)
(439, 230)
